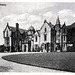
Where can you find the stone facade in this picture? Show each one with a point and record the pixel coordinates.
(61, 36)
(17, 40)
(36, 41)
(50, 38)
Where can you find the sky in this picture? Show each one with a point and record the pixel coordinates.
(34, 13)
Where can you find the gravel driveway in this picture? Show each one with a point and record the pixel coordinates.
(7, 66)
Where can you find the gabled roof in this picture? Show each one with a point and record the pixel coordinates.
(13, 29)
(50, 25)
(6, 27)
(38, 31)
(31, 28)
(71, 26)
(64, 25)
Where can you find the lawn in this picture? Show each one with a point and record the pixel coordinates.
(64, 61)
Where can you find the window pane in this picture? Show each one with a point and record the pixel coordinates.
(45, 37)
(36, 38)
(45, 29)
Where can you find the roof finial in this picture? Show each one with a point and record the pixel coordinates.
(7, 23)
(58, 21)
(49, 22)
(45, 21)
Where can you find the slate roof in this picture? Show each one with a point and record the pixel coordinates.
(13, 29)
(71, 26)
(31, 28)
(51, 25)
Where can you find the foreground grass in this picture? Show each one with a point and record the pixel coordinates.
(62, 61)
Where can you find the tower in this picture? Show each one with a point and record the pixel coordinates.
(58, 35)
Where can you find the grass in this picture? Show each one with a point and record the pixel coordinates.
(4, 69)
(64, 61)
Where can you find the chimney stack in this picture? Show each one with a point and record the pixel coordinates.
(17, 26)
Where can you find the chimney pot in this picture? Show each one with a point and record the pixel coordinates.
(17, 26)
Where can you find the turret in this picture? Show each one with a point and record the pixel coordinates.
(57, 21)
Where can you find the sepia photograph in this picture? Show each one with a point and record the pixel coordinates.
(37, 37)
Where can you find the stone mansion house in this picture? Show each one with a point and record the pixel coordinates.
(50, 38)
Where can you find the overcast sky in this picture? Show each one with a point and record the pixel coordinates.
(34, 13)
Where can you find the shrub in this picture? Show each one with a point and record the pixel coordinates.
(2, 48)
(71, 49)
